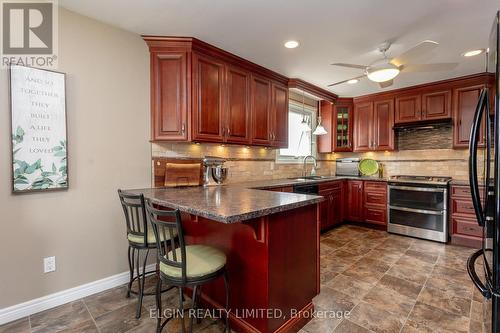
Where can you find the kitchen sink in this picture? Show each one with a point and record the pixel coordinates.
(309, 178)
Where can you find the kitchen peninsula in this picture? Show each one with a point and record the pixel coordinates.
(271, 240)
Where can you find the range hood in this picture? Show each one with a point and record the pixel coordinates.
(422, 125)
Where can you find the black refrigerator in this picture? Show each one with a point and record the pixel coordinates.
(484, 176)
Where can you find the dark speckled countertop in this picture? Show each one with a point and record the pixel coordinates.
(228, 203)
(236, 202)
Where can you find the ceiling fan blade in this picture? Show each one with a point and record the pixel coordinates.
(349, 65)
(386, 84)
(445, 66)
(418, 50)
(340, 82)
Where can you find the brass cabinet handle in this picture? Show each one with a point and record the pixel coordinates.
(183, 128)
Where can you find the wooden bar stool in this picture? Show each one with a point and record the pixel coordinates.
(140, 237)
(184, 265)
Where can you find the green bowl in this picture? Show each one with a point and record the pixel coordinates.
(368, 166)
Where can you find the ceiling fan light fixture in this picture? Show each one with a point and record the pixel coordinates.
(353, 81)
(473, 53)
(382, 73)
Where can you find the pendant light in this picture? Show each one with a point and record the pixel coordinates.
(320, 130)
(305, 119)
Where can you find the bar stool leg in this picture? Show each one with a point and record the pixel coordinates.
(131, 253)
(181, 309)
(158, 305)
(141, 284)
(226, 285)
(193, 306)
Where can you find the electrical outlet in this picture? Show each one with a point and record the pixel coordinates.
(49, 264)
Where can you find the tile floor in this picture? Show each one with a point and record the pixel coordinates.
(384, 282)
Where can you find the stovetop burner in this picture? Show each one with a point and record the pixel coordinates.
(420, 179)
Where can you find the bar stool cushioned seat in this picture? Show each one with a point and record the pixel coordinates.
(139, 239)
(200, 260)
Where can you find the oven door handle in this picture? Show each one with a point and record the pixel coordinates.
(420, 189)
(415, 210)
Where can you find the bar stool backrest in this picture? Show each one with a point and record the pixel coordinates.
(167, 226)
(135, 214)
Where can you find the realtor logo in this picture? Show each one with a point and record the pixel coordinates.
(29, 32)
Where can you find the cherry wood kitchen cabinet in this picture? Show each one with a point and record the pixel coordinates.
(464, 106)
(332, 208)
(279, 116)
(373, 125)
(208, 103)
(354, 201)
(408, 108)
(423, 105)
(363, 115)
(238, 105)
(375, 202)
(463, 228)
(383, 123)
(338, 121)
(204, 94)
(436, 105)
(169, 96)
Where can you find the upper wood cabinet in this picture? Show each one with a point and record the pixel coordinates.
(363, 118)
(383, 123)
(373, 125)
(423, 105)
(202, 93)
(338, 121)
(169, 96)
(436, 105)
(279, 115)
(464, 106)
(261, 111)
(208, 99)
(238, 106)
(408, 108)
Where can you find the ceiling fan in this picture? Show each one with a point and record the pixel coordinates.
(383, 71)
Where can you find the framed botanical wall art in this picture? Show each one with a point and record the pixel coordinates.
(38, 118)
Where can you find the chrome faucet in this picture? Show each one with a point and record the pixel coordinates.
(313, 170)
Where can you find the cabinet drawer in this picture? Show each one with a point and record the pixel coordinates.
(460, 191)
(330, 186)
(467, 227)
(462, 206)
(376, 198)
(376, 215)
(375, 187)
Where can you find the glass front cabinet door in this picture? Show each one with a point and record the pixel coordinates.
(342, 126)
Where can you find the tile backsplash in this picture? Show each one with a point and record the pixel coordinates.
(253, 163)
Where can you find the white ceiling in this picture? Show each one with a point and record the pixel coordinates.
(328, 31)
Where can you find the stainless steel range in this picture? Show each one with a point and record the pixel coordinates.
(417, 206)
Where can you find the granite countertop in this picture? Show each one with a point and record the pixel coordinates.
(227, 203)
(263, 184)
(237, 202)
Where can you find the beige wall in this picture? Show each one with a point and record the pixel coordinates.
(108, 130)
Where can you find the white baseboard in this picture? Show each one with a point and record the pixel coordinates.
(24, 309)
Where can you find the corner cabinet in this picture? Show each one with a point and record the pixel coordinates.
(338, 121)
(373, 125)
(203, 94)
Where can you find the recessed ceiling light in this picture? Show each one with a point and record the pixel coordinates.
(473, 53)
(291, 44)
(353, 81)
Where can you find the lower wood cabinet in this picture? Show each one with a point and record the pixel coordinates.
(332, 209)
(354, 203)
(463, 223)
(375, 202)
